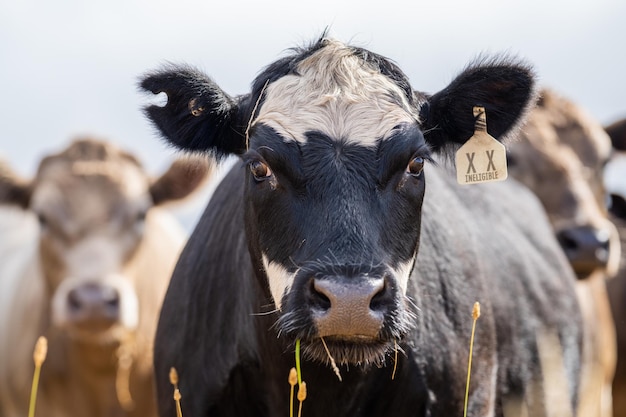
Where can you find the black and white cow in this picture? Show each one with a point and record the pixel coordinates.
(327, 232)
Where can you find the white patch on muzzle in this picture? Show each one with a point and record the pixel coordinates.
(403, 273)
(279, 279)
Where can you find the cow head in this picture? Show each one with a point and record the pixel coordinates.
(334, 142)
(560, 156)
(92, 200)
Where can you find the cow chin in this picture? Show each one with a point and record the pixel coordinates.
(354, 350)
(346, 349)
(111, 335)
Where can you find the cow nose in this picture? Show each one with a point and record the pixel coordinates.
(94, 301)
(587, 248)
(349, 307)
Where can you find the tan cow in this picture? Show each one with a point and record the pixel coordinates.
(86, 254)
(615, 180)
(560, 156)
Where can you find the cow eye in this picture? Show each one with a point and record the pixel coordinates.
(416, 166)
(141, 216)
(43, 221)
(260, 170)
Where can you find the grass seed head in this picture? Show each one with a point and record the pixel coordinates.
(41, 351)
(173, 376)
(293, 377)
(476, 311)
(302, 391)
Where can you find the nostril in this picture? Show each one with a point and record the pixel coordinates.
(567, 240)
(319, 296)
(110, 297)
(381, 297)
(74, 300)
(114, 302)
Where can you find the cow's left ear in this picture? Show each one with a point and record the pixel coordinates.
(505, 87)
(198, 115)
(183, 177)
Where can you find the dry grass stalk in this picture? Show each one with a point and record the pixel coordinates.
(253, 112)
(333, 364)
(297, 378)
(395, 359)
(177, 396)
(39, 357)
(293, 380)
(301, 396)
(475, 316)
(122, 378)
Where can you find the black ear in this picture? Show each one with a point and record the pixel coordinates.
(198, 116)
(505, 87)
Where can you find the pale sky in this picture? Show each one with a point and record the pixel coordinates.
(70, 67)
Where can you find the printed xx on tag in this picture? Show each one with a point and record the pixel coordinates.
(482, 158)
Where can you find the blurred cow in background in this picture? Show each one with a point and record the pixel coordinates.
(615, 180)
(86, 254)
(560, 156)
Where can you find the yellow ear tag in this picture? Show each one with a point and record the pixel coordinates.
(482, 158)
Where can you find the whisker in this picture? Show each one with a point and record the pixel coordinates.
(266, 313)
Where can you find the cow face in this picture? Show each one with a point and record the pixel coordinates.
(560, 156)
(92, 201)
(335, 141)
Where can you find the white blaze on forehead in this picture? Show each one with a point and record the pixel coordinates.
(338, 94)
(615, 175)
(95, 256)
(279, 280)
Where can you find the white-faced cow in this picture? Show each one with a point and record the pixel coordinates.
(85, 261)
(615, 179)
(560, 155)
(338, 231)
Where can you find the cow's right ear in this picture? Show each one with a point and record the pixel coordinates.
(184, 176)
(198, 115)
(13, 190)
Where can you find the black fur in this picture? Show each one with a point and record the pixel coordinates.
(190, 90)
(504, 86)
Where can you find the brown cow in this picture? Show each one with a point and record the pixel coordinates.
(615, 180)
(86, 263)
(560, 156)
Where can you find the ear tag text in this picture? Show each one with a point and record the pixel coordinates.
(482, 158)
